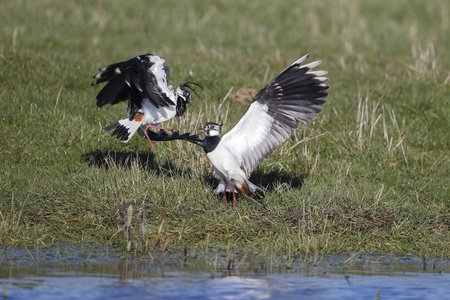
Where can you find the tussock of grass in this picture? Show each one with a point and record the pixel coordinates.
(369, 175)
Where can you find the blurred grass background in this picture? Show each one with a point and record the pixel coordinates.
(371, 173)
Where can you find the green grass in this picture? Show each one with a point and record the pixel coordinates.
(371, 174)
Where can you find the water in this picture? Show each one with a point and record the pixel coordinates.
(71, 272)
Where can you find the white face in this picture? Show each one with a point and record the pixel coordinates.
(212, 129)
(183, 93)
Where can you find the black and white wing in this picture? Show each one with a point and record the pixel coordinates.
(162, 136)
(295, 95)
(142, 77)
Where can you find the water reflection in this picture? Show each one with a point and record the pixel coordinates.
(99, 273)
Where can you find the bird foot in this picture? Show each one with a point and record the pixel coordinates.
(224, 197)
(234, 201)
(234, 194)
(151, 146)
(149, 141)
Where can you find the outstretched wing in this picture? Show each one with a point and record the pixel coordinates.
(142, 77)
(295, 95)
(162, 136)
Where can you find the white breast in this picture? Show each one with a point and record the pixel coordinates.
(156, 115)
(226, 165)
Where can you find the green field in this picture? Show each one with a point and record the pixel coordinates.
(370, 174)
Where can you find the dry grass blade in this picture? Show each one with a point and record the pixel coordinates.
(161, 223)
(166, 243)
(130, 238)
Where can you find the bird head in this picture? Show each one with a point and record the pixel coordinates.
(211, 129)
(183, 94)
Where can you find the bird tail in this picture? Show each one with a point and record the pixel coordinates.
(254, 189)
(124, 129)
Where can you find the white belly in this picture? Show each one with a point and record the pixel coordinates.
(156, 115)
(226, 167)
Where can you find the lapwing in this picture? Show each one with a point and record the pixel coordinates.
(143, 81)
(295, 95)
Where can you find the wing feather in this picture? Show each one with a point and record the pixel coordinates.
(295, 95)
(142, 77)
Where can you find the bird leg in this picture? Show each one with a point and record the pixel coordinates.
(232, 190)
(150, 142)
(224, 197)
(149, 125)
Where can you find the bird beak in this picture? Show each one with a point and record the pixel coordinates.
(202, 130)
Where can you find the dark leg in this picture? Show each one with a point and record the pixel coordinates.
(149, 125)
(224, 197)
(151, 144)
(234, 196)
